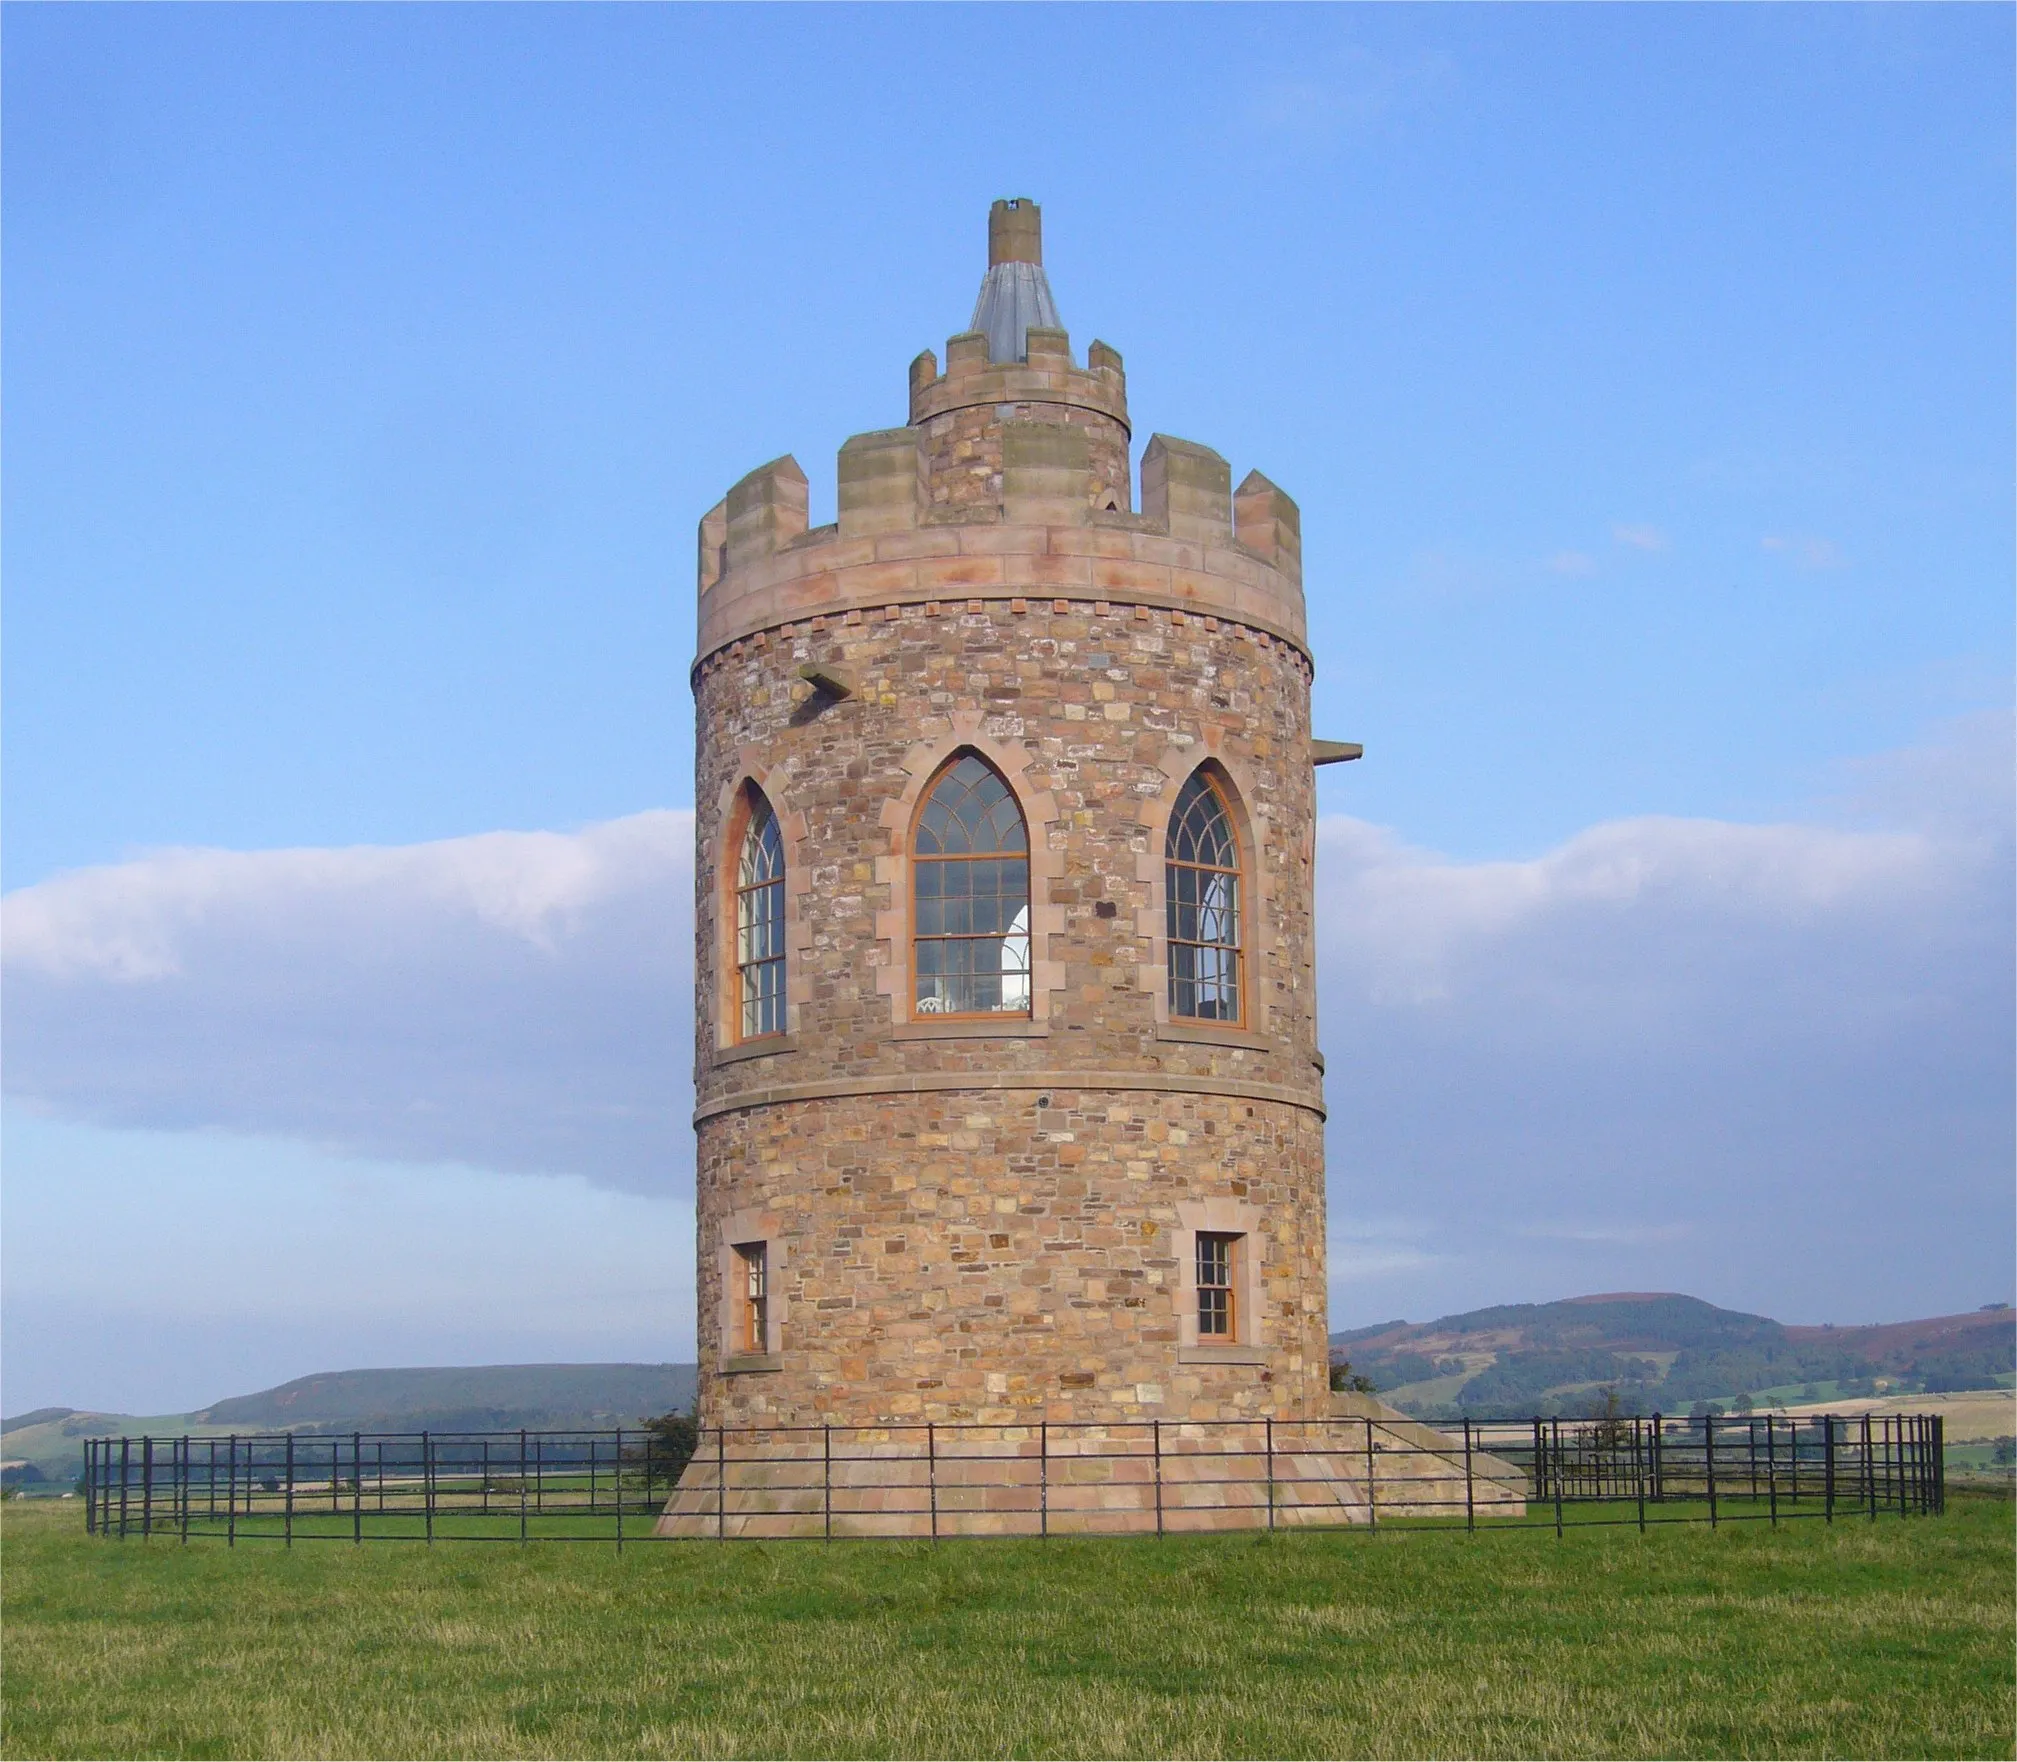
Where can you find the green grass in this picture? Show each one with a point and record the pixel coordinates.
(1885, 1639)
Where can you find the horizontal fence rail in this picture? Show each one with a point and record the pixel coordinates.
(1038, 1479)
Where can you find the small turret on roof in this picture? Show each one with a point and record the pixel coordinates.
(1015, 294)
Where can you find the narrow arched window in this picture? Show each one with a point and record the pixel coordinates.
(970, 870)
(759, 924)
(1203, 889)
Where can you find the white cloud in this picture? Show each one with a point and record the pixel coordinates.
(1605, 1235)
(1757, 1062)
(1787, 1046)
(517, 1001)
(1577, 563)
(1640, 538)
(1350, 90)
(1805, 552)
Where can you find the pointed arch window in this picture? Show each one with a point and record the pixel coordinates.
(970, 943)
(759, 924)
(1203, 892)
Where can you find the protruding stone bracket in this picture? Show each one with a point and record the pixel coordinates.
(1187, 490)
(766, 511)
(1335, 752)
(834, 684)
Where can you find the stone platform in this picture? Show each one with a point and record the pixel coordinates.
(1080, 1479)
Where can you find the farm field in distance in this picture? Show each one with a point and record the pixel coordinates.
(1892, 1638)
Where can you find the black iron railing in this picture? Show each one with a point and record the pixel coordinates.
(1039, 1479)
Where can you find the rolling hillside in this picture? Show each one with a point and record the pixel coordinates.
(1658, 1350)
(44, 1447)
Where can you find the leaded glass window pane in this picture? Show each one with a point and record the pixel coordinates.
(970, 896)
(759, 925)
(1202, 884)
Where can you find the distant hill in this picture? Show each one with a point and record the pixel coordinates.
(477, 1398)
(488, 1397)
(40, 1416)
(1658, 1350)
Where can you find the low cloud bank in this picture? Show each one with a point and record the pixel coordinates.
(1701, 1053)
(1708, 1056)
(517, 1001)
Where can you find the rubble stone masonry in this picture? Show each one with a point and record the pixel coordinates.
(990, 1220)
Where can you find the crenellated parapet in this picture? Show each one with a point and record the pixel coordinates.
(1196, 546)
(1010, 481)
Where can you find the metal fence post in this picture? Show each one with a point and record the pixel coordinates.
(1709, 1462)
(721, 1483)
(231, 1495)
(182, 1484)
(1772, 1466)
(1372, 1482)
(521, 1486)
(1044, 1479)
(287, 1523)
(1158, 1443)
(357, 1488)
(1869, 1472)
(1828, 1468)
(616, 1476)
(427, 1483)
(931, 1472)
(1555, 1460)
(826, 1479)
(1470, 1485)
(1269, 1440)
(146, 1488)
(1639, 1469)
(90, 1496)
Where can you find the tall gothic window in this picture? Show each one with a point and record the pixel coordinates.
(759, 925)
(1203, 890)
(971, 879)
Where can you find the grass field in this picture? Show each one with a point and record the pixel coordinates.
(1886, 1639)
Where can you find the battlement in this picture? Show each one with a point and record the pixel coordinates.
(1013, 452)
(1048, 376)
(1046, 480)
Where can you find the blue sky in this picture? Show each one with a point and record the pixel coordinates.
(1645, 378)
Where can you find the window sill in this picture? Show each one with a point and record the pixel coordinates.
(741, 1363)
(971, 1028)
(768, 1047)
(1212, 1034)
(1221, 1355)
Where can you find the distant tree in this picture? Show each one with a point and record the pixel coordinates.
(2004, 1452)
(673, 1438)
(1741, 1405)
(1347, 1381)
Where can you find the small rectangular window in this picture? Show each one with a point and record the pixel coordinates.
(752, 1260)
(1218, 1316)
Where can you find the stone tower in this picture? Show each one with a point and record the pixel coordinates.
(1009, 1097)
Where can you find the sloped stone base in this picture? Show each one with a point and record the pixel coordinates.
(974, 1480)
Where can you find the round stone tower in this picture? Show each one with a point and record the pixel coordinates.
(1009, 1098)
